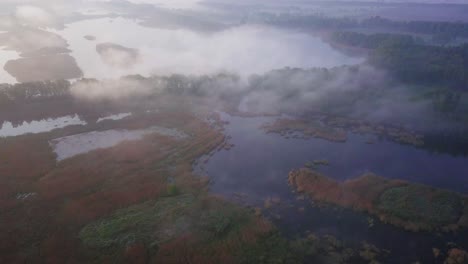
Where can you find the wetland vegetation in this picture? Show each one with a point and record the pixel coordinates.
(177, 132)
(408, 205)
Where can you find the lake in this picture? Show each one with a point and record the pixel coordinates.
(257, 167)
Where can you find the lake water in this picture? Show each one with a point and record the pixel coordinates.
(9, 130)
(244, 49)
(7, 55)
(114, 117)
(70, 146)
(258, 165)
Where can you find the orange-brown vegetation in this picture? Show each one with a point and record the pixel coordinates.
(336, 129)
(284, 127)
(416, 207)
(73, 192)
(394, 133)
(195, 248)
(456, 256)
(136, 253)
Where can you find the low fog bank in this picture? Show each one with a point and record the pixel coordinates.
(118, 56)
(214, 55)
(244, 50)
(123, 88)
(27, 40)
(353, 91)
(41, 55)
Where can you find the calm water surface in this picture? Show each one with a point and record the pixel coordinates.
(70, 146)
(257, 168)
(39, 126)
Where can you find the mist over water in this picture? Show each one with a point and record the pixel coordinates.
(7, 55)
(242, 50)
(140, 129)
(107, 40)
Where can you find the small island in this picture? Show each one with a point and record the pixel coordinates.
(298, 128)
(336, 129)
(44, 68)
(90, 37)
(414, 207)
(118, 56)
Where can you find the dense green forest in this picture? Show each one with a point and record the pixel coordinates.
(438, 29)
(411, 61)
(372, 41)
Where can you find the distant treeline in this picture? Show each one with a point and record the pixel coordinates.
(23, 92)
(410, 61)
(306, 21)
(371, 41)
(438, 29)
(340, 91)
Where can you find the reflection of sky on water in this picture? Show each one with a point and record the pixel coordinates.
(241, 49)
(257, 168)
(259, 163)
(170, 4)
(245, 50)
(114, 117)
(6, 55)
(46, 125)
(70, 146)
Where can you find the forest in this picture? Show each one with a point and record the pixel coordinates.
(410, 60)
(447, 30)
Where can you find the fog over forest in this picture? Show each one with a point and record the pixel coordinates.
(223, 131)
(209, 42)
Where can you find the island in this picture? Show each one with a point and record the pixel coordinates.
(412, 206)
(117, 56)
(336, 129)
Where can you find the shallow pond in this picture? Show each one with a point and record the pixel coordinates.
(256, 169)
(9, 130)
(70, 146)
(114, 117)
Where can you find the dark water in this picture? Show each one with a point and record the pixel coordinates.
(257, 168)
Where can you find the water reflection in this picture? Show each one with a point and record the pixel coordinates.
(254, 172)
(7, 55)
(264, 160)
(34, 127)
(245, 50)
(70, 146)
(114, 117)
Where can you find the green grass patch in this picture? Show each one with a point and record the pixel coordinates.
(172, 190)
(139, 223)
(275, 248)
(220, 223)
(421, 204)
(157, 222)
